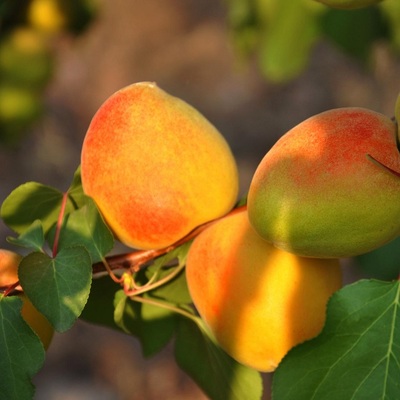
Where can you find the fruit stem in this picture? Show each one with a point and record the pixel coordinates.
(9, 289)
(150, 285)
(59, 223)
(375, 161)
(166, 306)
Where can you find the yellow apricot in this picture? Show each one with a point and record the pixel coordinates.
(8, 267)
(9, 262)
(47, 16)
(156, 167)
(258, 301)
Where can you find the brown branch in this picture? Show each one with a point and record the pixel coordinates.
(138, 259)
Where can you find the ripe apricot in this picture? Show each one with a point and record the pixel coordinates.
(156, 167)
(259, 301)
(318, 193)
(9, 261)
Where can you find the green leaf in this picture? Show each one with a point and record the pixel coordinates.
(357, 355)
(21, 352)
(86, 227)
(176, 290)
(31, 238)
(99, 308)
(152, 325)
(355, 31)
(75, 191)
(32, 201)
(217, 374)
(391, 12)
(58, 287)
(243, 23)
(382, 263)
(287, 38)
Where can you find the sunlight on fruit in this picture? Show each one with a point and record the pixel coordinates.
(258, 301)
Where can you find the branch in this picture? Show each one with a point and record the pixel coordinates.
(139, 259)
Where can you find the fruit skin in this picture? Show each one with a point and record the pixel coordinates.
(8, 267)
(9, 262)
(349, 4)
(258, 301)
(317, 194)
(156, 167)
(37, 321)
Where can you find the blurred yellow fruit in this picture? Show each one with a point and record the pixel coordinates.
(47, 16)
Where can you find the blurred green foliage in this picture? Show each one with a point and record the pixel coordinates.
(29, 30)
(283, 33)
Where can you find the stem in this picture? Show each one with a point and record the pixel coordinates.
(136, 260)
(9, 289)
(166, 306)
(150, 286)
(59, 223)
(375, 161)
(110, 272)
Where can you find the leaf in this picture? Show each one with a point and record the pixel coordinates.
(175, 291)
(242, 21)
(31, 238)
(287, 39)
(218, 375)
(354, 31)
(357, 355)
(75, 191)
(391, 12)
(86, 227)
(152, 325)
(21, 352)
(99, 308)
(32, 201)
(58, 287)
(382, 263)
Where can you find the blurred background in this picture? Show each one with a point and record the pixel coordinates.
(253, 68)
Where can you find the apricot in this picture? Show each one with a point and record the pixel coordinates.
(318, 193)
(37, 321)
(258, 301)
(156, 167)
(9, 262)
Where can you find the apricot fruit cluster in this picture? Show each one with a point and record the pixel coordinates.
(260, 276)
